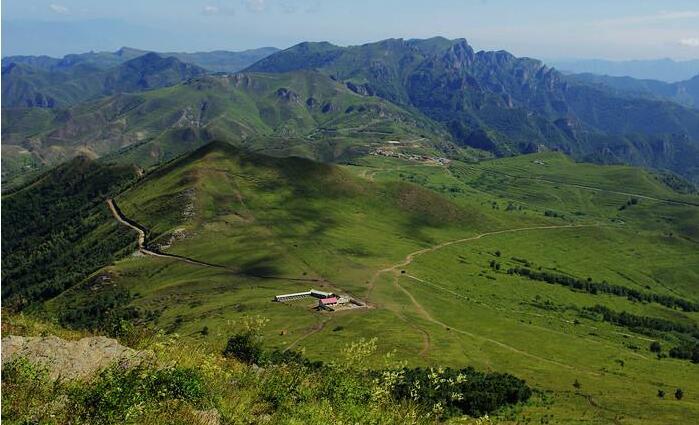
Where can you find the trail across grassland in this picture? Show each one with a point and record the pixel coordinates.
(592, 188)
(121, 218)
(410, 257)
(395, 271)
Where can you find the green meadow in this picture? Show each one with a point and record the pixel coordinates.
(428, 248)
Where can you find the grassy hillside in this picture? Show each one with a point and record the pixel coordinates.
(304, 114)
(439, 254)
(175, 383)
(57, 230)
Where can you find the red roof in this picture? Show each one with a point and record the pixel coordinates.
(326, 301)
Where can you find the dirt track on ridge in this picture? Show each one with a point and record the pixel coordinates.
(121, 218)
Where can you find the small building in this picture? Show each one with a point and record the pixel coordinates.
(326, 302)
(320, 294)
(299, 295)
(292, 297)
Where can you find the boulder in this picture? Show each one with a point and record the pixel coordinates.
(70, 360)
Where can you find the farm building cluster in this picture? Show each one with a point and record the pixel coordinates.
(326, 300)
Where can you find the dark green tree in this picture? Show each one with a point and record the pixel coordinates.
(245, 347)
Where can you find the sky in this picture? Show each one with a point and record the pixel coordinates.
(548, 29)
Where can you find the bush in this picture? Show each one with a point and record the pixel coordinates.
(119, 393)
(245, 347)
(686, 351)
(461, 391)
(25, 386)
(587, 285)
(655, 347)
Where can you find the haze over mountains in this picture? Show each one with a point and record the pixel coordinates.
(667, 70)
(456, 100)
(218, 60)
(682, 92)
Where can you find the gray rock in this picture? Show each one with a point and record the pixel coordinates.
(70, 359)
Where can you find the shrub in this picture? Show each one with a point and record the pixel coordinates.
(25, 388)
(688, 351)
(461, 391)
(119, 393)
(245, 347)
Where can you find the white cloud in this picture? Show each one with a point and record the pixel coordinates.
(690, 42)
(662, 16)
(255, 5)
(58, 8)
(217, 10)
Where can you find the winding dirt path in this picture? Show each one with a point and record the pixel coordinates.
(121, 218)
(426, 340)
(410, 257)
(315, 329)
(463, 298)
(425, 314)
(395, 271)
(592, 188)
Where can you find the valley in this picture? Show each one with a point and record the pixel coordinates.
(526, 237)
(429, 248)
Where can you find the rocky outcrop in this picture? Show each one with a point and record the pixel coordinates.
(288, 95)
(70, 359)
(363, 89)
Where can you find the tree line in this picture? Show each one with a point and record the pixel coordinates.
(592, 287)
(54, 232)
(642, 323)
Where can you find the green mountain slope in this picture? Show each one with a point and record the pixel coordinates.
(304, 113)
(57, 230)
(216, 61)
(24, 86)
(495, 101)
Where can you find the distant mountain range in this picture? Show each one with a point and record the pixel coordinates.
(42, 81)
(666, 70)
(301, 113)
(504, 104)
(330, 102)
(682, 92)
(215, 61)
(63, 85)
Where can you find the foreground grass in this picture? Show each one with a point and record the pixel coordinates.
(188, 384)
